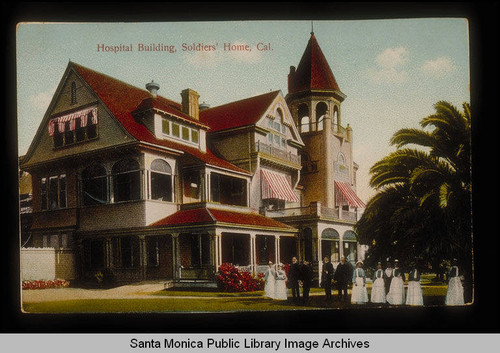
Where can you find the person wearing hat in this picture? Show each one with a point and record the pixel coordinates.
(455, 291)
(396, 295)
(327, 277)
(378, 286)
(270, 278)
(359, 293)
(414, 296)
(307, 274)
(342, 278)
(281, 292)
(293, 279)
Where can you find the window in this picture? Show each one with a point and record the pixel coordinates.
(161, 181)
(58, 136)
(53, 192)
(74, 127)
(175, 130)
(153, 251)
(304, 124)
(165, 126)
(94, 254)
(43, 193)
(73, 92)
(129, 252)
(185, 133)
(94, 185)
(195, 136)
(228, 190)
(126, 180)
(191, 183)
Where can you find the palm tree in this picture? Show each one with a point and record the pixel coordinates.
(423, 204)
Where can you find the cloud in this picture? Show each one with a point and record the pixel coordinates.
(41, 101)
(389, 66)
(438, 67)
(392, 58)
(204, 58)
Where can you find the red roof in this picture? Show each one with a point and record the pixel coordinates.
(122, 99)
(313, 71)
(237, 114)
(213, 216)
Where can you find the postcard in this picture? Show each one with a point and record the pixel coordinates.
(244, 166)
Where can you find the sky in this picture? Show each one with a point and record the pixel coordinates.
(392, 71)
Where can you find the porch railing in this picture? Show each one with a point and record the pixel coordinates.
(276, 152)
(314, 209)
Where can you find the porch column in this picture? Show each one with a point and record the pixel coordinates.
(277, 248)
(109, 253)
(143, 256)
(175, 256)
(253, 255)
(218, 250)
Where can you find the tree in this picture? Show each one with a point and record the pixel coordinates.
(422, 208)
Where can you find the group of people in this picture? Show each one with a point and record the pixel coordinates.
(277, 281)
(388, 286)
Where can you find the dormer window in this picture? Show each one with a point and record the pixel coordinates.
(178, 131)
(74, 127)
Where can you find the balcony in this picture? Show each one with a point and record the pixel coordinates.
(272, 151)
(315, 210)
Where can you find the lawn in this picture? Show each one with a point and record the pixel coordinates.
(206, 301)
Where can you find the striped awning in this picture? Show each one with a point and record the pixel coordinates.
(345, 195)
(62, 120)
(277, 186)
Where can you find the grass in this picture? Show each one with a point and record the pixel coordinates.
(173, 301)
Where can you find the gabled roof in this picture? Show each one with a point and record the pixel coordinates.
(236, 114)
(122, 99)
(313, 71)
(214, 216)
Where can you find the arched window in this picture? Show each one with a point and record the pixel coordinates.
(73, 93)
(321, 109)
(336, 121)
(330, 241)
(94, 185)
(350, 246)
(161, 180)
(304, 120)
(126, 180)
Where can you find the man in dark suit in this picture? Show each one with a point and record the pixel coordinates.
(327, 277)
(293, 279)
(307, 277)
(342, 278)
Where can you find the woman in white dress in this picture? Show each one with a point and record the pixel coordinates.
(270, 278)
(359, 293)
(396, 295)
(280, 287)
(414, 296)
(455, 292)
(378, 286)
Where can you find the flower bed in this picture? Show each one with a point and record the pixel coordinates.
(230, 279)
(44, 284)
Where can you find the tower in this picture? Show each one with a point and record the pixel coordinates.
(315, 100)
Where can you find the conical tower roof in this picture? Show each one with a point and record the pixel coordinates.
(313, 71)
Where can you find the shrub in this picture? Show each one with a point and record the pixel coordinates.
(230, 279)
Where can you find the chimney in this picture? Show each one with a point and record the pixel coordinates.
(153, 88)
(190, 103)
